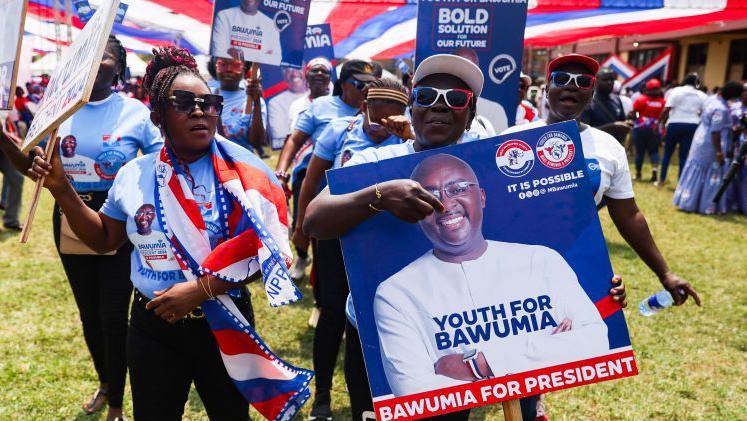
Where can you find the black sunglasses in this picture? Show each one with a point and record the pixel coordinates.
(358, 84)
(184, 102)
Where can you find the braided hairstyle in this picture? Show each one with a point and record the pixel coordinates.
(121, 54)
(389, 83)
(168, 63)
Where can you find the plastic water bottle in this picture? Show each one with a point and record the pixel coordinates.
(656, 303)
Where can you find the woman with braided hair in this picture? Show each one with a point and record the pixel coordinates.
(97, 141)
(193, 231)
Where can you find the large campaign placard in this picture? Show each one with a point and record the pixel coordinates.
(490, 33)
(282, 85)
(261, 31)
(12, 18)
(71, 83)
(501, 296)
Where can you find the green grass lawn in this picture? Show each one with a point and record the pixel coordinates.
(692, 360)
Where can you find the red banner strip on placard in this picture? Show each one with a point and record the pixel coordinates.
(515, 386)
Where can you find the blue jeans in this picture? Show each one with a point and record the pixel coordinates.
(677, 133)
(646, 141)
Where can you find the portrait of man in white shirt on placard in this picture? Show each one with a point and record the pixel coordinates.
(245, 33)
(471, 308)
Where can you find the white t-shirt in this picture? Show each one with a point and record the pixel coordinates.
(432, 308)
(481, 128)
(627, 104)
(256, 35)
(686, 104)
(493, 112)
(382, 153)
(279, 115)
(606, 162)
(296, 108)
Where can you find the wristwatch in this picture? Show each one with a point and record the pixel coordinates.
(470, 358)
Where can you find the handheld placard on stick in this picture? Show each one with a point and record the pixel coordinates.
(38, 188)
(12, 15)
(69, 89)
(512, 410)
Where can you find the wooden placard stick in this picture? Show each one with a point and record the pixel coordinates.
(253, 76)
(51, 142)
(512, 410)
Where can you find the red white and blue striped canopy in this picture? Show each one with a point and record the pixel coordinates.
(381, 29)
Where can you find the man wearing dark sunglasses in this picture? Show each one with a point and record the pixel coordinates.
(569, 92)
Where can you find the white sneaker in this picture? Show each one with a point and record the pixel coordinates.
(298, 271)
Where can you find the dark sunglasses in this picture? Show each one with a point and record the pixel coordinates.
(358, 84)
(457, 99)
(184, 102)
(580, 80)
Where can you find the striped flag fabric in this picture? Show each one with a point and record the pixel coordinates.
(659, 68)
(620, 66)
(255, 224)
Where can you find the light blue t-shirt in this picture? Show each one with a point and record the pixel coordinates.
(132, 199)
(343, 138)
(236, 124)
(314, 120)
(103, 136)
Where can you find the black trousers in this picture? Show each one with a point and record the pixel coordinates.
(646, 141)
(333, 292)
(677, 134)
(361, 404)
(164, 359)
(102, 288)
(296, 193)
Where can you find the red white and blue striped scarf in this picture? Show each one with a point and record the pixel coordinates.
(256, 230)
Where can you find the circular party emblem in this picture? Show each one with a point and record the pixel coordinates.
(555, 150)
(108, 164)
(514, 158)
